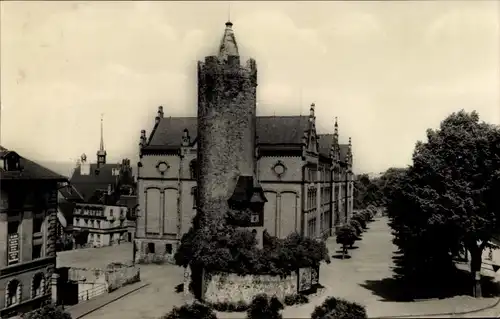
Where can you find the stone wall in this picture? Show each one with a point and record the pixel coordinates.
(233, 288)
(93, 282)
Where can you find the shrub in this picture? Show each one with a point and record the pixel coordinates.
(357, 226)
(339, 309)
(263, 307)
(222, 247)
(190, 311)
(360, 219)
(296, 299)
(47, 312)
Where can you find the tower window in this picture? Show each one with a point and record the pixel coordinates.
(193, 169)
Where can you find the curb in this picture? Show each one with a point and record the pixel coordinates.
(443, 314)
(110, 301)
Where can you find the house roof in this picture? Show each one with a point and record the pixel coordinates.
(128, 200)
(271, 130)
(325, 144)
(97, 179)
(29, 169)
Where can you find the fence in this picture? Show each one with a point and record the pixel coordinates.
(96, 290)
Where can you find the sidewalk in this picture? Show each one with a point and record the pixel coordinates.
(82, 309)
(366, 277)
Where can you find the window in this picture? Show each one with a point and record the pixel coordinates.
(85, 222)
(98, 224)
(36, 252)
(98, 237)
(150, 248)
(13, 293)
(168, 249)
(37, 224)
(38, 285)
(111, 212)
(193, 169)
(254, 218)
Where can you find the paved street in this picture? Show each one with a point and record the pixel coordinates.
(354, 279)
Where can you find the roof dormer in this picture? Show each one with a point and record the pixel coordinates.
(10, 161)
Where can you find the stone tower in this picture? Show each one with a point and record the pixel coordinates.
(226, 133)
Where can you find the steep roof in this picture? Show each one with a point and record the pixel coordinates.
(97, 179)
(30, 169)
(228, 45)
(271, 130)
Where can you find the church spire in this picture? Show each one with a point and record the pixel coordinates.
(228, 45)
(101, 153)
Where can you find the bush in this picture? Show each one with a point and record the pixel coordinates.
(263, 307)
(339, 309)
(360, 219)
(47, 312)
(296, 299)
(239, 306)
(357, 226)
(190, 311)
(222, 247)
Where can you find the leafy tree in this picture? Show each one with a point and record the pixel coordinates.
(346, 236)
(47, 312)
(190, 311)
(448, 197)
(263, 307)
(336, 308)
(357, 226)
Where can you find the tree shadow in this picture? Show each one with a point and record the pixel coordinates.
(339, 251)
(456, 282)
(339, 256)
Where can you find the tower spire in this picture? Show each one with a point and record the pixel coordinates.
(228, 45)
(101, 153)
(101, 148)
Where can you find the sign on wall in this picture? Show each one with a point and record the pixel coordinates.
(304, 279)
(13, 248)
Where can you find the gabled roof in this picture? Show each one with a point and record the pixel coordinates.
(29, 169)
(97, 179)
(271, 130)
(325, 144)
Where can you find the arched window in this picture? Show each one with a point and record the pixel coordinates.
(193, 169)
(38, 285)
(13, 293)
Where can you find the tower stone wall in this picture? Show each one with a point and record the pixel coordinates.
(226, 129)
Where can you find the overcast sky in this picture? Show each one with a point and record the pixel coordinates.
(388, 70)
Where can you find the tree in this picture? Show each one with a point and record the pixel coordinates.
(447, 198)
(47, 312)
(346, 236)
(263, 307)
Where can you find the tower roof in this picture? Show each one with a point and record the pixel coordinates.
(228, 45)
(101, 150)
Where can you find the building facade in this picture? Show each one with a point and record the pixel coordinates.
(27, 233)
(228, 157)
(102, 200)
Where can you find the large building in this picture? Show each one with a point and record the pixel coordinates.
(228, 158)
(28, 209)
(102, 200)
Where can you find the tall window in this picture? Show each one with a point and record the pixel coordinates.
(38, 285)
(13, 293)
(37, 223)
(13, 244)
(36, 252)
(193, 169)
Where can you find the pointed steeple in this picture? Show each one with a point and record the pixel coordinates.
(228, 45)
(101, 153)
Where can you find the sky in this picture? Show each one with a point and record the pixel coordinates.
(388, 70)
